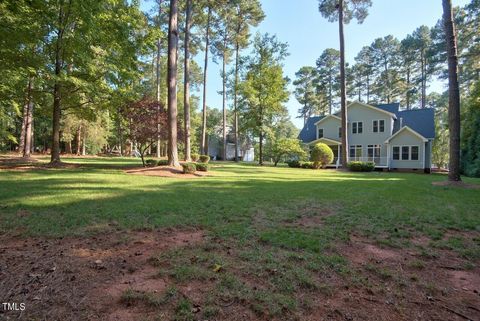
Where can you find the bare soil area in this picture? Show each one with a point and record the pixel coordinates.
(113, 277)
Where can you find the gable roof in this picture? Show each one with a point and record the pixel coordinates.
(420, 120)
(406, 128)
(392, 108)
(326, 117)
(372, 107)
(309, 131)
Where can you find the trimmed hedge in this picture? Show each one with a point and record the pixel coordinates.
(150, 163)
(162, 162)
(189, 168)
(195, 157)
(308, 165)
(202, 167)
(356, 166)
(204, 159)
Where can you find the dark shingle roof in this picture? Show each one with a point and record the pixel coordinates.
(309, 131)
(420, 120)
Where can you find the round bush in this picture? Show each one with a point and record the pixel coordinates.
(202, 167)
(307, 165)
(204, 159)
(189, 168)
(321, 155)
(162, 162)
(294, 164)
(195, 157)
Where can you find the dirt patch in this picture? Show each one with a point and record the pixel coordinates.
(402, 284)
(456, 184)
(311, 215)
(83, 278)
(165, 171)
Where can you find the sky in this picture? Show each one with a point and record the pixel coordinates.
(299, 24)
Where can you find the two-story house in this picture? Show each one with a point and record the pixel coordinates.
(391, 138)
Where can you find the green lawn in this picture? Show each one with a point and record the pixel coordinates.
(252, 209)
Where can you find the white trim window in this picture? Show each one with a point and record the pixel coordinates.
(357, 127)
(378, 126)
(373, 152)
(355, 152)
(320, 133)
(406, 153)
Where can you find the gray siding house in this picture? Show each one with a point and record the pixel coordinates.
(383, 134)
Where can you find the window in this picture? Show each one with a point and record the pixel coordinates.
(320, 132)
(396, 153)
(355, 152)
(357, 127)
(379, 126)
(339, 132)
(373, 152)
(414, 153)
(405, 152)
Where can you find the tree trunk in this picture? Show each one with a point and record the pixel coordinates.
(68, 147)
(343, 91)
(224, 76)
(260, 148)
(186, 83)
(408, 89)
(330, 102)
(84, 143)
(424, 81)
(204, 113)
(172, 84)
(28, 129)
(454, 93)
(235, 99)
(79, 139)
(159, 43)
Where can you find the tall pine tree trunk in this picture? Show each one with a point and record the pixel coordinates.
(224, 104)
(204, 110)
(157, 71)
(186, 83)
(454, 93)
(29, 128)
(424, 81)
(235, 100)
(172, 84)
(79, 139)
(343, 91)
(408, 89)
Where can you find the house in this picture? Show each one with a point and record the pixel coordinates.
(390, 137)
(215, 146)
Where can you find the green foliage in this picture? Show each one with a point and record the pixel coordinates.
(195, 157)
(162, 162)
(189, 168)
(321, 155)
(307, 165)
(285, 148)
(204, 159)
(202, 167)
(150, 163)
(356, 166)
(471, 135)
(294, 164)
(306, 92)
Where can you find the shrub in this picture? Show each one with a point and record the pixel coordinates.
(204, 159)
(202, 167)
(294, 164)
(321, 155)
(307, 165)
(356, 166)
(195, 157)
(189, 168)
(162, 162)
(150, 163)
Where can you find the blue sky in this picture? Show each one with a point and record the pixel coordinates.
(300, 25)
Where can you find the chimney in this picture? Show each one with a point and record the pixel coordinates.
(401, 122)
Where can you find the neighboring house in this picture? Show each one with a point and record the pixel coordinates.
(391, 138)
(215, 146)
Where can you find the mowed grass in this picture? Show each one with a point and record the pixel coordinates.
(272, 232)
(237, 200)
